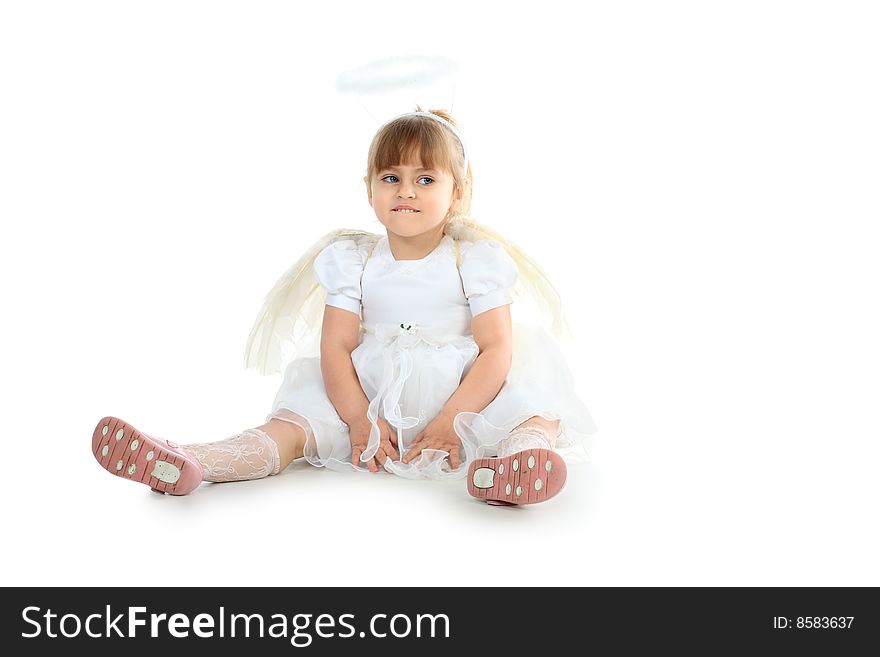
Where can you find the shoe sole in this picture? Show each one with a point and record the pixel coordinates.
(527, 477)
(124, 451)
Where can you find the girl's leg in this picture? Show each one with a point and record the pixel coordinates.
(253, 454)
(550, 426)
(289, 437)
(534, 433)
(176, 469)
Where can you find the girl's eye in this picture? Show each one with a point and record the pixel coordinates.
(390, 175)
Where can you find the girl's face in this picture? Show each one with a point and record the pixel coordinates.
(430, 192)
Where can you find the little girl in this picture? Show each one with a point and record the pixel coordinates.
(401, 354)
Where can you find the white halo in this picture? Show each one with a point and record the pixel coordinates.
(394, 73)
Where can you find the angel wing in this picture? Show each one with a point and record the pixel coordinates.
(289, 323)
(533, 293)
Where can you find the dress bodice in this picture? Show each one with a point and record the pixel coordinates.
(428, 292)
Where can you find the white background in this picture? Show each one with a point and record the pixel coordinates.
(699, 179)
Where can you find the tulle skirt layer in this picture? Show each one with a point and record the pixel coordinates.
(409, 381)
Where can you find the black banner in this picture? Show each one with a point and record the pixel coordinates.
(403, 620)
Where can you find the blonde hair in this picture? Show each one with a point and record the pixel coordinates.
(417, 137)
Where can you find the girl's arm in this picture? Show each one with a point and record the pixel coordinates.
(493, 334)
(340, 334)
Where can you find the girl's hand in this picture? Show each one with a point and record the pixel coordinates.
(359, 435)
(439, 434)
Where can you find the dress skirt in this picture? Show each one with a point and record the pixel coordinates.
(408, 373)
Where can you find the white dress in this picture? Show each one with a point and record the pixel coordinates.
(416, 346)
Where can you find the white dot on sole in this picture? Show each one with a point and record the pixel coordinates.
(507, 490)
(131, 469)
(134, 445)
(120, 434)
(119, 464)
(538, 484)
(501, 468)
(105, 430)
(150, 455)
(105, 450)
(531, 461)
(548, 466)
(515, 465)
(518, 491)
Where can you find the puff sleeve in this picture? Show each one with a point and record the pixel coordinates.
(338, 268)
(487, 271)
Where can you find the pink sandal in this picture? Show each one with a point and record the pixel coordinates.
(161, 464)
(526, 477)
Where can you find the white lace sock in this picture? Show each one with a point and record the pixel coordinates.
(528, 437)
(251, 454)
